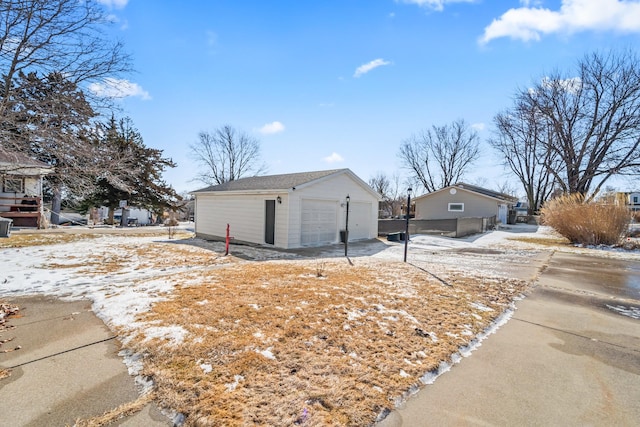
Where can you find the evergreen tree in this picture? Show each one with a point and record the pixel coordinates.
(52, 124)
(141, 182)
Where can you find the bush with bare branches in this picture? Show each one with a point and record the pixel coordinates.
(588, 223)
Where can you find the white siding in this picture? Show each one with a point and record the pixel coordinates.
(245, 215)
(246, 212)
(32, 186)
(359, 221)
(334, 188)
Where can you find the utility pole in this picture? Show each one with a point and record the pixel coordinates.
(406, 230)
(346, 230)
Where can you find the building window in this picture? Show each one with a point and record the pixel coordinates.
(635, 200)
(13, 185)
(456, 207)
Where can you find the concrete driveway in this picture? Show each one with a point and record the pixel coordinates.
(570, 356)
(67, 369)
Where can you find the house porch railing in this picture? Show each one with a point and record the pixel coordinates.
(24, 211)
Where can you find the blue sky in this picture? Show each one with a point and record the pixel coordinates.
(341, 83)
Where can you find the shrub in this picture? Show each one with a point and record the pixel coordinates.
(587, 223)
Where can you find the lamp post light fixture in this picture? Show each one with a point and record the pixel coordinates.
(406, 229)
(346, 229)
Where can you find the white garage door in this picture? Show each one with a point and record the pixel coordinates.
(319, 222)
(359, 220)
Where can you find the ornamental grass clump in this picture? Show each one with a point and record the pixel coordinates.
(587, 223)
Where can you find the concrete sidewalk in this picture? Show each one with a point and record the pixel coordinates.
(565, 358)
(67, 368)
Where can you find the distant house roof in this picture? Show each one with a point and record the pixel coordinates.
(20, 163)
(486, 192)
(271, 182)
(478, 190)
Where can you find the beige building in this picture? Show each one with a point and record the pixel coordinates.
(464, 201)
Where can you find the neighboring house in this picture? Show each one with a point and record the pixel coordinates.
(288, 211)
(633, 201)
(133, 216)
(21, 192)
(464, 201)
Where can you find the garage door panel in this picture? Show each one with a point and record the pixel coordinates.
(319, 222)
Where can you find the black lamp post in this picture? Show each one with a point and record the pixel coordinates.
(406, 230)
(346, 229)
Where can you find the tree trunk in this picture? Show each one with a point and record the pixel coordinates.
(110, 217)
(56, 203)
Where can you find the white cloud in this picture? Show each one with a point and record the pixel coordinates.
(527, 3)
(334, 158)
(530, 23)
(478, 127)
(434, 4)
(118, 88)
(114, 19)
(116, 4)
(271, 128)
(365, 68)
(572, 85)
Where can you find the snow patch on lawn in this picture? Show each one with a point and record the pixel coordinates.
(267, 353)
(174, 334)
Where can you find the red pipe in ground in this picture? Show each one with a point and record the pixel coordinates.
(226, 248)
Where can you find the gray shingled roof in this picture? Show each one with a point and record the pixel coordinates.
(270, 182)
(486, 192)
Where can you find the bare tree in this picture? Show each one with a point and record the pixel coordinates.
(440, 156)
(521, 139)
(592, 119)
(380, 183)
(49, 51)
(49, 37)
(389, 189)
(53, 126)
(226, 155)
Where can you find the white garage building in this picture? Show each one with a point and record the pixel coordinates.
(288, 211)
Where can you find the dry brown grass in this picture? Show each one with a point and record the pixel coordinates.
(48, 237)
(544, 241)
(24, 240)
(588, 223)
(116, 414)
(275, 343)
